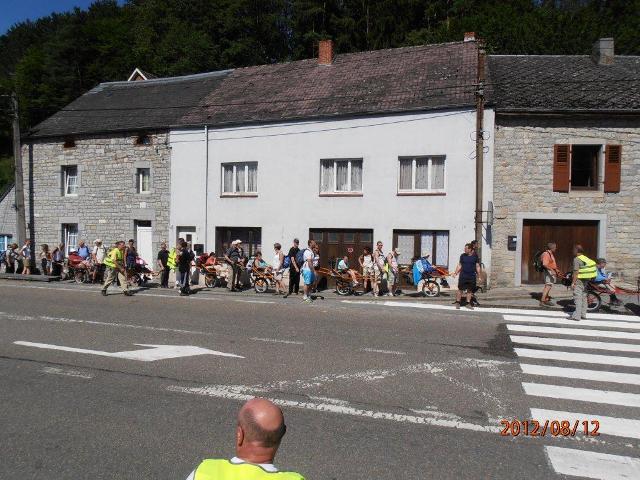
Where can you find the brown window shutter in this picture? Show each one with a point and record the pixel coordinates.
(612, 160)
(561, 168)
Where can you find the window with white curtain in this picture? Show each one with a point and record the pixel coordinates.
(421, 174)
(417, 243)
(341, 175)
(70, 180)
(143, 180)
(70, 236)
(239, 178)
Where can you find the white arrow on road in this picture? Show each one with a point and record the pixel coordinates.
(157, 352)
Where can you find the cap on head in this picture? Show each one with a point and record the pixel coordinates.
(97, 240)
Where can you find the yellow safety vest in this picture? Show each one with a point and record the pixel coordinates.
(213, 469)
(171, 261)
(588, 271)
(112, 258)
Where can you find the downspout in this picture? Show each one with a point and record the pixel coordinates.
(479, 147)
(206, 188)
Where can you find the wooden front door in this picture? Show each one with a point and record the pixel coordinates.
(565, 233)
(335, 243)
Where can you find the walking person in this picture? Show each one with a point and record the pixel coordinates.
(232, 256)
(184, 257)
(294, 269)
(45, 259)
(308, 271)
(469, 269)
(98, 255)
(366, 264)
(378, 268)
(551, 273)
(278, 269)
(115, 263)
(393, 272)
(259, 432)
(25, 252)
(584, 271)
(163, 265)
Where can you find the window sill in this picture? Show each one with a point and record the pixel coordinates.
(70, 195)
(423, 194)
(586, 194)
(341, 194)
(236, 195)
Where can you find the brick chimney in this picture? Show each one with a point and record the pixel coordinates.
(469, 36)
(325, 52)
(602, 52)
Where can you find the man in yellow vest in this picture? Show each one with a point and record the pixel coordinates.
(258, 434)
(584, 271)
(114, 262)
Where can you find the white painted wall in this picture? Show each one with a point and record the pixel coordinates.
(288, 155)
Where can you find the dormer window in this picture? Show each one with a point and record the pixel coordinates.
(69, 143)
(143, 140)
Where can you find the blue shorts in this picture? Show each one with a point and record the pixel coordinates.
(308, 276)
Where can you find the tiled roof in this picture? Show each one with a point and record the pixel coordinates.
(120, 106)
(383, 81)
(563, 83)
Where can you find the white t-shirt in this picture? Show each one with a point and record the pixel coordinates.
(100, 253)
(269, 467)
(308, 255)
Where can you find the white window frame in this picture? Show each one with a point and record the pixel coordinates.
(334, 190)
(65, 180)
(429, 189)
(66, 234)
(139, 180)
(235, 191)
(4, 241)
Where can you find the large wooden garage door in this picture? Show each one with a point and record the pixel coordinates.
(537, 233)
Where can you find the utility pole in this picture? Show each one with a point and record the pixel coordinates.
(480, 146)
(19, 183)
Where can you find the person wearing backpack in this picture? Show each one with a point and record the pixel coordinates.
(551, 273)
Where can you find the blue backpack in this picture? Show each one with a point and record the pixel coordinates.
(286, 263)
(300, 257)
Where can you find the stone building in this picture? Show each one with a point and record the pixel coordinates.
(8, 231)
(100, 167)
(566, 160)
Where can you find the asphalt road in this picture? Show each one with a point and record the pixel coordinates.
(369, 390)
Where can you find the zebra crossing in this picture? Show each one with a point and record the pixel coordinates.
(577, 371)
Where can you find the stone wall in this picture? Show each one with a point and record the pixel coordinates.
(8, 213)
(523, 178)
(107, 204)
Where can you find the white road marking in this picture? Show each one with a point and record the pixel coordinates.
(618, 427)
(386, 352)
(156, 352)
(581, 323)
(580, 374)
(600, 466)
(582, 394)
(578, 332)
(435, 306)
(241, 393)
(569, 343)
(275, 340)
(66, 372)
(578, 357)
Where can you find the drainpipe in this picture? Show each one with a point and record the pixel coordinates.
(479, 146)
(206, 188)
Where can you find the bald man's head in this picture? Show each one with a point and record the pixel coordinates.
(262, 423)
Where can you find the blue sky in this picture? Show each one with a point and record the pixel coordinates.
(14, 11)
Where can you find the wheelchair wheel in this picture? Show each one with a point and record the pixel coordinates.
(210, 281)
(593, 301)
(343, 289)
(261, 285)
(79, 276)
(430, 288)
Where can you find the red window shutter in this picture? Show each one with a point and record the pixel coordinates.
(561, 168)
(612, 160)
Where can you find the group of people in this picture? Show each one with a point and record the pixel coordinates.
(584, 271)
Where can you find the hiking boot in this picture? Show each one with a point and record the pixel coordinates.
(104, 293)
